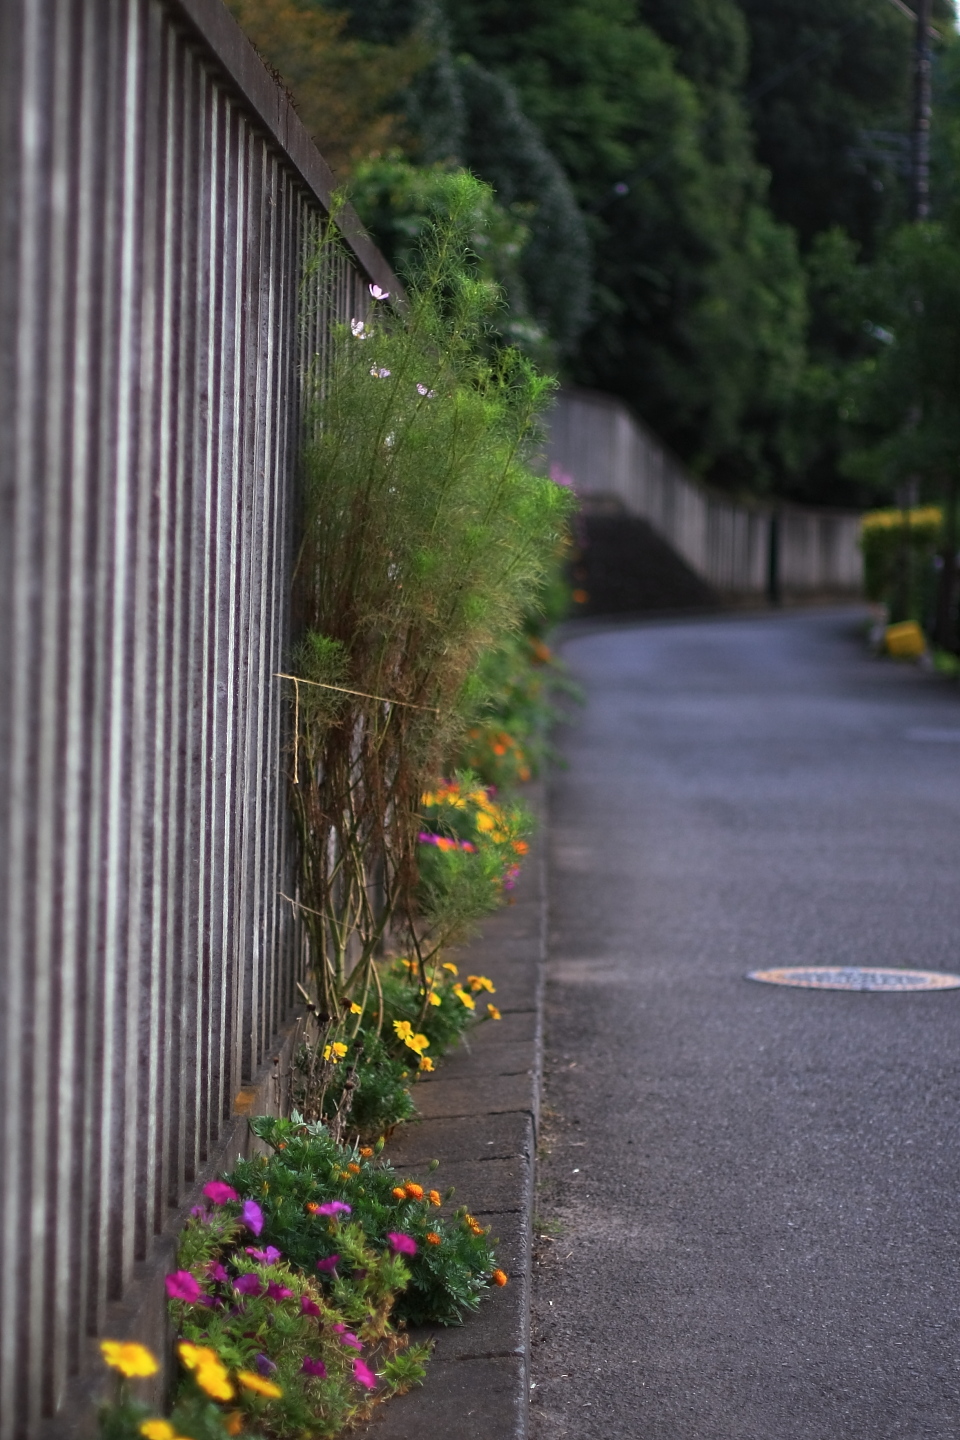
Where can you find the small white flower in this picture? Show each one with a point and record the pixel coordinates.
(422, 390)
(379, 294)
(378, 373)
(358, 329)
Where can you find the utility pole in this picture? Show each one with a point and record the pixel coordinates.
(920, 176)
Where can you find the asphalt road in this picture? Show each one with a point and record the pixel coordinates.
(754, 1191)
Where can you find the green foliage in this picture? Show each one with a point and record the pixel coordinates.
(424, 534)
(441, 1282)
(899, 547)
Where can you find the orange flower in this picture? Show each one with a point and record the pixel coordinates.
(472, 1223)
(499, 1277)
(312, 1207)
(433, 1238)
(434, 1197)
(494, 1013)
(235, 1423)
(399, 1193)
(413, 1190)
(426, 1063)
(353, 1168)
(520, 847)
(367, 1152)
(258, 1385)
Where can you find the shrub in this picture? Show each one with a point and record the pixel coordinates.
(899, 547)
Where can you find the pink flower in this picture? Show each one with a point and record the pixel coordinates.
(276, 1291)
(333, 1207)
(219, 1192)
(182, 1286)
(424, 391)
(401, 1244)
(364, 1375)
(328, 1265)
(252, 1216)
(313, 1367)
(216, 1272)
(247, 1285)
(379, 294)
(270, 1256)
(347, 1337)
(308, 1306)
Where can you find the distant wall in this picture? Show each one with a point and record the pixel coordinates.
(740, 550)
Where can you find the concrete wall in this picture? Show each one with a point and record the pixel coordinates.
(607, 452)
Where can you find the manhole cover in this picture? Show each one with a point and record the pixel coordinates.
(832, 977)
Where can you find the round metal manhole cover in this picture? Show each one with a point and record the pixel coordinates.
(832, 977)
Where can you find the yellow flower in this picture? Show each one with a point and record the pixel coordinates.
(402, 1028)
(211, 1373)
(335, 1052)
(129, 1358)
(425, 1063)
(449, 965)
(494, 1013)
(485, 822)
(159, 1430)
(433, 998)
(356, 1009)
(259, 1385)
(464, 998)
(480, 982)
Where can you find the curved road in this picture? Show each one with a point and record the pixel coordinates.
(755, 1190)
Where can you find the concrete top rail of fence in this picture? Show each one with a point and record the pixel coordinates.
(740, 549)
(159, 200)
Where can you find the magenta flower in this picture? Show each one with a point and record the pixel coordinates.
(348, 1338)
(313, 1367)
(276, 1291)
(247, 1285)
(216, 1272)
(308, 1306)
(270, 1256)
(252, 1216)
(182, 1286)
(219, 1192)
(328, 1265)
(364, 1375)
(333, 1207)
(401, 1244)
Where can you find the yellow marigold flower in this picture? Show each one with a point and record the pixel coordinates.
(434, 999)
(210, 1372)
(449, 965)
(413, 1191)
(353, 1168)
(464, 998)
(159, 1430)
(433, 1238)
(493, 1012)
(425, 1063)
(434, 1197)
(402, 1029)
(129, 1358)
(472, 1223)
(356, 1009)
(419, 1043)
(485, 822)
(260, 1386)
(399, 1193)
(480, 982)
(366, 1151)
(499, 1277)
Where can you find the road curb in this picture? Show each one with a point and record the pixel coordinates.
(480, 1117)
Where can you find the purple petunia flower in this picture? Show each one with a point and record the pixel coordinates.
(181, 1285)
(276, 1291)
(308, 1306)
(247, 1285)
(264, 1364)
(313, 1367)
(334, 1207)
(401, 1244)
(270, 1256)
(199, 1212)
(364, 1375)
(328, 1265)
(219, 1192)
(348, 1338)
(216, 1272)
(252, 1216)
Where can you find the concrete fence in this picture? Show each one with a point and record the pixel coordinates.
(157, 199)
(741, 551)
